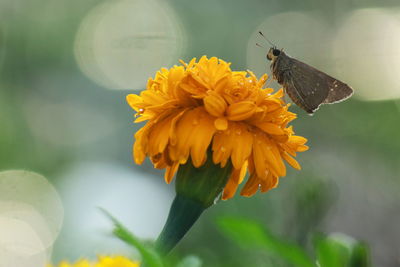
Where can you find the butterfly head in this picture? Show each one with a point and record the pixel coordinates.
(273, 53)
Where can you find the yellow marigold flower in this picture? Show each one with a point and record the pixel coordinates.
(201, 105)
(103, 261)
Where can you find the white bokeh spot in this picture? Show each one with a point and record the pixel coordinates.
(31, 215)
(121, 43)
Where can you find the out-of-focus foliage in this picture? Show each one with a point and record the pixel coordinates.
(249, 234)
(150, 257)
(341, 250)
(331, 251)
(336, 250)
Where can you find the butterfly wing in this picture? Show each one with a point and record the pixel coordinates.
(309, 87)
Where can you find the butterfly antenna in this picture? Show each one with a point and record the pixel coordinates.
(260, 32)
(257, 44)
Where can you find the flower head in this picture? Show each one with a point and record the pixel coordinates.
(205, 106)
(103, 261)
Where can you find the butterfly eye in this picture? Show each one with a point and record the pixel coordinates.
(276, 52)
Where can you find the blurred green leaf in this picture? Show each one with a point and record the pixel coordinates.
(339, 250)
(360, 256)
(190, 261)
(247, 233)
(150, 257)
(331, 254)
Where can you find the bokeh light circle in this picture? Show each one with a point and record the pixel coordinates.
(31, 215)
(120, 44)
(20, 245)
(367, 49)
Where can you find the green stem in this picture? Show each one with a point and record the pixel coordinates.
(184, 213)
(196, 190)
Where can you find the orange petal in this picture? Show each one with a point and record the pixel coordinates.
(297, 140)
(201, 139)
(242, 144)
(215, 104)
(133, 101)
(158, 161)
(261, 155)
(159, 135)
(172, 129)
(251, 186)
(269, 183)
(140, 146)
(170, 172)
(194, 132)
(153, 97)
(291, 161)
(241, 110)
(223, 143)
(279, 94)
(302, 148)
(232, 184)
(278, 160)
(270, 128)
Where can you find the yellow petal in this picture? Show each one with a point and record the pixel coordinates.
(215, 104)
(261, 155)
(251, 186)
(297, 140)
(266, 157)
(269, 183)
(232, 184)
(242, 144)
(291, 161)
(270, 128)
(201, 139)
(241, 110)
(302, 148)
(133, 101)
(278, 159)
(194, 132)
(141, 143)
(170, 172)
(172, 129)
(159, 135)
(158, 161)
(155, 98)
(279, 94)
(222, 146)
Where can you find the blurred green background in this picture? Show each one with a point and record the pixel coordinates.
(66, 67)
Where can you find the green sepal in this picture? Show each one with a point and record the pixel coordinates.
(204, 184)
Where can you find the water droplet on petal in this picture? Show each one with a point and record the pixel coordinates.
(195, 122)
(223, 149)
